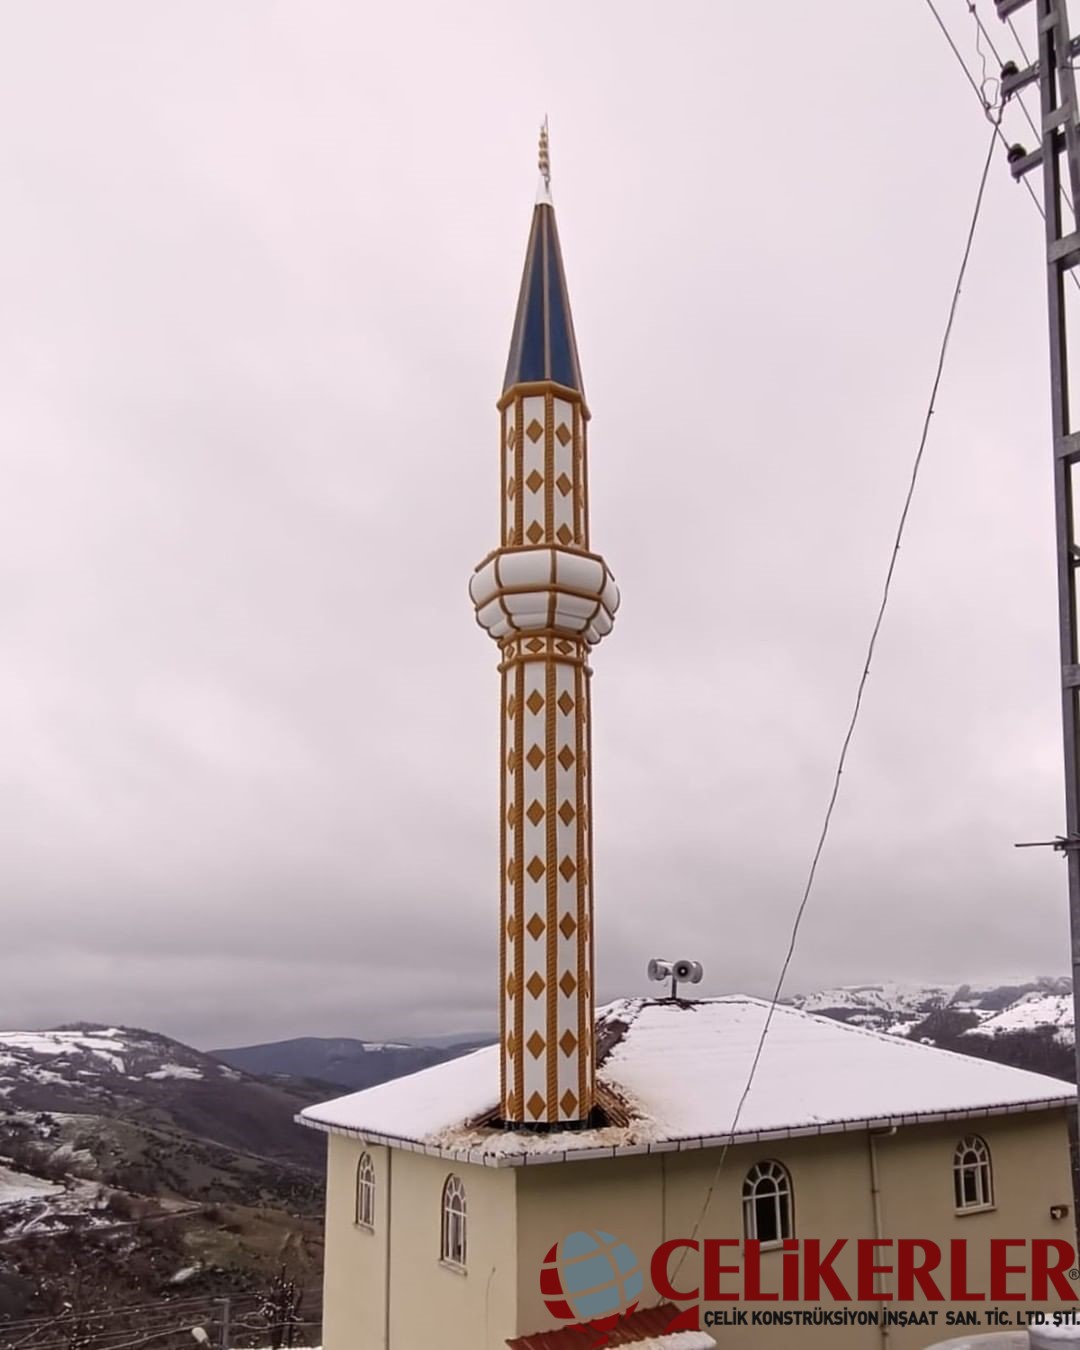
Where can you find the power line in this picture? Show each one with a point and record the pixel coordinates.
(1035, 131)
(860, 689)
(987, 112)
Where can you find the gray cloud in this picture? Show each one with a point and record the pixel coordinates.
(258, 271)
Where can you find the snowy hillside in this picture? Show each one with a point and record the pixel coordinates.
(92, 1059)
(140, 1155)
(901, 1008)
(1033, 1012)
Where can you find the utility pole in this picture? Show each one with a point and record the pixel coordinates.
(1059, 158)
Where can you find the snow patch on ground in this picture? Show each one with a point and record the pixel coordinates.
(176, 1071)
(17, 1187)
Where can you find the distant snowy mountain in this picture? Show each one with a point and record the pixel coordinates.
(1033, 1012)
(92, 1059)
(902, 1008)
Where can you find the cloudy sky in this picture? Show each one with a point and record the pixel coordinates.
(257, 274)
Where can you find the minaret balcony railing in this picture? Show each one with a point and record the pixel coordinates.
(520, 590)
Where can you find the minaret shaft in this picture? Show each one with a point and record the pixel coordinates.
(546, 599)
(546, 940)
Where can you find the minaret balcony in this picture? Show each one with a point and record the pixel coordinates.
(520, 590)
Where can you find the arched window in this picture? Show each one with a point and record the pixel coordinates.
(365, 1191)
(454, 1246)
(973, 1180)
(767, 1210)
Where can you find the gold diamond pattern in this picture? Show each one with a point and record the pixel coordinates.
(511, 1044)
(535, 812)
(535, 756)
(535, 1045)
(535, 702)
(566, 703)
(511, 988)
(568, 1102)
(568, 1042)
(535, 532)
(511, 705)
(535, 868)
(511, 815)
(535, 481)
(567, 925)
(511, 488)
(535, 984)
(536, 1106)
(534, 431)
(535, 926)
(564, 534)
(566, 813)
(510, 761)
(563, 433)
(535, 645)
(566, 757)
(563, 646)
(563, 484)
(510, 870)
(567, 867)
(511, 437)
(511, 927)
(567, 983)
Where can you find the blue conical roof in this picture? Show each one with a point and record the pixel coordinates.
(543, 346)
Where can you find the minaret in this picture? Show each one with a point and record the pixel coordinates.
(546, 599)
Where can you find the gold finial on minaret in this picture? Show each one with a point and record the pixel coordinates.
(544, 157)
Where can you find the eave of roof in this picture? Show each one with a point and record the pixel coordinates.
(482, 1157)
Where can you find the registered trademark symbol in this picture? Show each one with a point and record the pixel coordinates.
(1074, 1274)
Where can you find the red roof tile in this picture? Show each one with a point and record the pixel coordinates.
(634, 1327)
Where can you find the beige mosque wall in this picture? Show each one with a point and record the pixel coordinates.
(652, 1198)
(430, 1304)
(354, 1274)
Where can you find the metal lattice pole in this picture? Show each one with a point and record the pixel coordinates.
(1060, 142)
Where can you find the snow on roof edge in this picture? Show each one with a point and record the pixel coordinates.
(485, 1158)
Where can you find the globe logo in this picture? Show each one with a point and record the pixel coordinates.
(591, 1276)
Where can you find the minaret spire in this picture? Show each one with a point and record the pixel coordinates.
(546, 599)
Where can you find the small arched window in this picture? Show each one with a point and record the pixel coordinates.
(365, 1191)
(454, 1237)
(973, 1178)
(767, 1208)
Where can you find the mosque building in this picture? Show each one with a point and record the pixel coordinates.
(518, 1194)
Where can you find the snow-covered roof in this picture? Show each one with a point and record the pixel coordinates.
(679, 1068)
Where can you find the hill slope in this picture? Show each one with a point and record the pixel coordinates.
(341, 1061)
(146, 1158)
